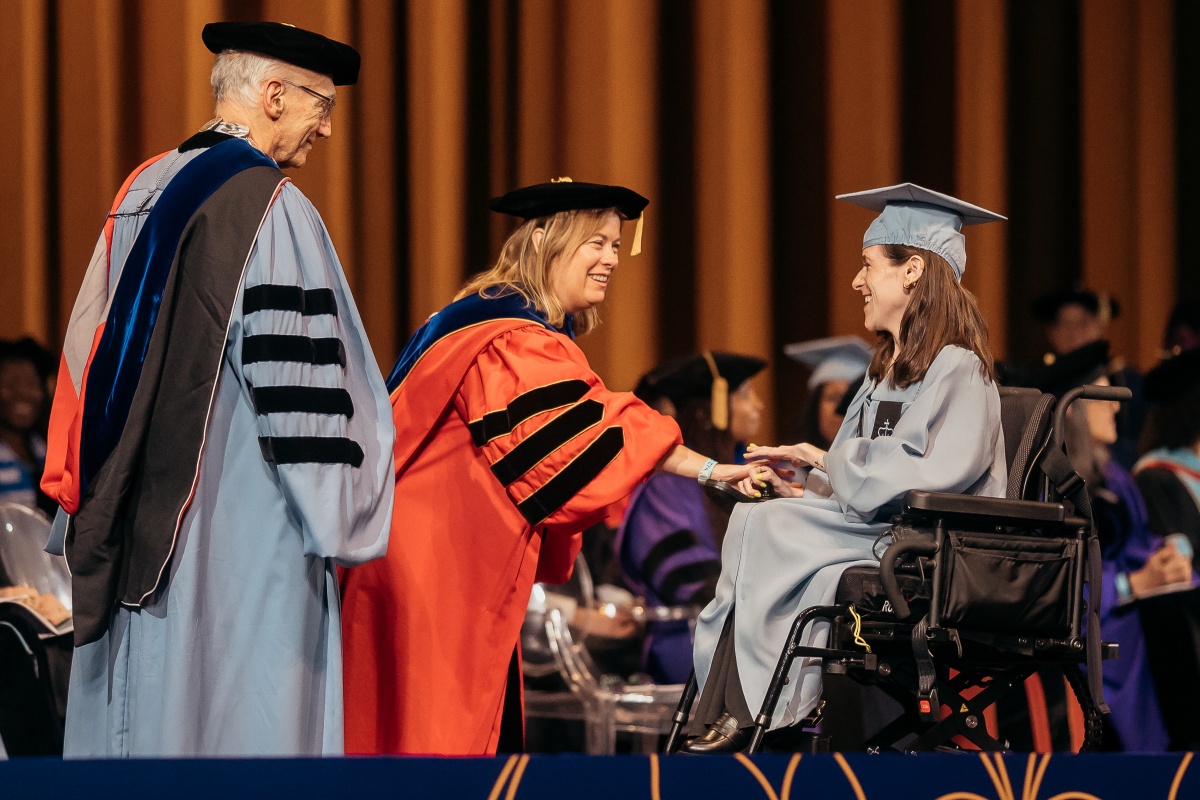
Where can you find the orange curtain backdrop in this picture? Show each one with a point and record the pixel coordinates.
(733, 183)
(28, 268)
(1128, 186)
(864, 137)
(981, 154)
(460, 100)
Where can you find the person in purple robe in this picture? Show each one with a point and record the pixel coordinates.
(668, 544)
(1137, 563)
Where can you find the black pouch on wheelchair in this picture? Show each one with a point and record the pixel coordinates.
(1015, 584)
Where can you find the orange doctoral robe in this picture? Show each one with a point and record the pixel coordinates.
(507, 446)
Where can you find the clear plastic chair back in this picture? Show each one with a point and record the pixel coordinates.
(23, 559)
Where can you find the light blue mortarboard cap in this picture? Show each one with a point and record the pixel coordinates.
(838, 358)
(920, 217)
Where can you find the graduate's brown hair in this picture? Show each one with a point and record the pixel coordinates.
(940, 312)
(524, 269)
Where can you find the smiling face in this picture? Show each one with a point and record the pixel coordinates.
(881, 283)
(580, 279)
(304, 118)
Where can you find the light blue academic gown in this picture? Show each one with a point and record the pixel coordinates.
(783, 556)
(239, 652)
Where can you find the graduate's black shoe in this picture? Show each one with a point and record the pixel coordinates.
(723, 736)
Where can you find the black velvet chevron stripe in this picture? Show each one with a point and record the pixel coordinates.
(701, 595)
(310, 450)
(302, 349)
(669, 545)
(572, 478)
(546, 439)
(302, 399)
(274, 297)
(689, 573)
(535, 401)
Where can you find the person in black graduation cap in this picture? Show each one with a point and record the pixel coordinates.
(1075, 316)
(220, 431)
(507, 446)
(669, 542)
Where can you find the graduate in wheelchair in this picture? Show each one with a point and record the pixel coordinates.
(927, 417)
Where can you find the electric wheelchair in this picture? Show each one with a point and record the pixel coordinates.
(972, 596)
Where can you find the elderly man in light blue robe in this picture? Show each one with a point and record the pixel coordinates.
(253, 448)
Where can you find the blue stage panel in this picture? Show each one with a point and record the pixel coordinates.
(772, 777)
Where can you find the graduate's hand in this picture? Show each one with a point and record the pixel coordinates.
(760, 477)
(799, 455)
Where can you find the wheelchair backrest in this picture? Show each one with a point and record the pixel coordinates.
(1025, 417)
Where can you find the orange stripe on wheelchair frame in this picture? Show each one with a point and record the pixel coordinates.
(1075, 721)
(1039, 716)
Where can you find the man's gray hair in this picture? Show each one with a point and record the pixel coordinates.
(237, 76)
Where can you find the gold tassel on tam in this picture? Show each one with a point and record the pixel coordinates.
(637, 236)
(720, 395)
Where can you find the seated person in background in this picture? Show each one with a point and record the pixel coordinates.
(1183, 328)
(1169, 478)
(1169, 473)
(668, 545)
(22, 444)
(927, 417)
(837, 363)
(1136, 561)
(1073, 317)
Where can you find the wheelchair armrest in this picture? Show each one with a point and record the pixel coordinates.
(923, 546)
(968, 509)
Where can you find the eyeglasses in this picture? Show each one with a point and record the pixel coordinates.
(327, 103)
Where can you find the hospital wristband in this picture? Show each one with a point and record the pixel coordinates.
(706, 471)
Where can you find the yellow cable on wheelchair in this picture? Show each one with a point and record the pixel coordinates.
(858, 640)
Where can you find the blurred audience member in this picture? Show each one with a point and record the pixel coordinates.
(1169, 473)
(22, 407)
(1169, 477)
(837, 363)
(668, 545)
(1075, 316)
(1183, 328)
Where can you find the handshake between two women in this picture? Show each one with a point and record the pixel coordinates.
(766, 468)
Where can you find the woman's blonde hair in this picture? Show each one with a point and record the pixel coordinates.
(940, 312)
(525, 269)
